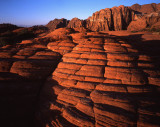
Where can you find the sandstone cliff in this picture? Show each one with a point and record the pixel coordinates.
(116, 18)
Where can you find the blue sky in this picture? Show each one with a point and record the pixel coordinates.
(36, 12)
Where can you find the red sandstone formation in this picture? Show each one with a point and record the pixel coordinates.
(100, 82)
(147, 8)
(23, 69)
(57, 23)
(156, 25)
(116, 18)
(144, 21)
(73, 77)
(137, 25)
(76, 23)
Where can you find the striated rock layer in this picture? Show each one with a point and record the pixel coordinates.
(67, 79)
(24, 68)
(100, 82)
(116, 18)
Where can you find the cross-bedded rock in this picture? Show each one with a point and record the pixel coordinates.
(100, 82)
(23, 70)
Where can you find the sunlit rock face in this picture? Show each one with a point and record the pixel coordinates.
(101, 81)
(136, 17)
(116, 18)
(72, 77)
(76, 23)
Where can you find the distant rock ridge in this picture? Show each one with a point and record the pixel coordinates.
(6, 27)
(146, 8)
(115, 18)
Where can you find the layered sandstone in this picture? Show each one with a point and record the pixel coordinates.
(116, 18)
(23, 70)
(100, 82)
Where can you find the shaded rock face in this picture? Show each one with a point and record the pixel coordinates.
(7, 27)
(57, 23)
(100, 82)
(147, 8)
(116, 18)
(23, 70)
(76, 23)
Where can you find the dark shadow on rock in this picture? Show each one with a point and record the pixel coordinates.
(19, 92)
(44, 115)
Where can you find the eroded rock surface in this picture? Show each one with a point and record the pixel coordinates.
(23, 70)
(116, 18)
(146, 8)
(100, 81)
(76, 23)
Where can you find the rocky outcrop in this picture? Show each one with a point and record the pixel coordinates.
(144, 21)
(24, 68)
(152, 18)
(109, 19)
(100, 82)
(156, 26)
(137, 25)
(7, 27)
(76, 23)
(57, 23)
(146, 8)
(116, 18)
